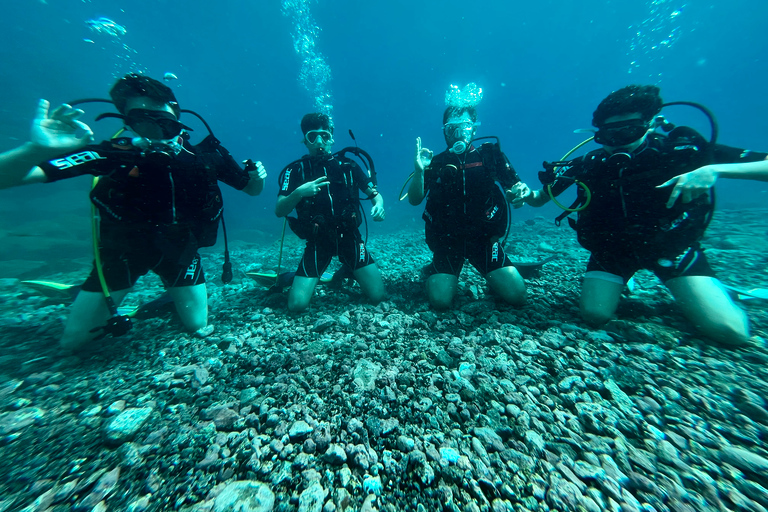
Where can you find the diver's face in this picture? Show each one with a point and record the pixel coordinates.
(151, 119)
(318, 142)
(459, 129)
(623, 133)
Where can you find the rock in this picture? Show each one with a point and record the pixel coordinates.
(365, 374)
(104, 487)
(245, 496)
(313, 497)
(324, 323)
(534, 441)
(563, 495)
(490, 439)
(450, 455)
(125, 425)
(248, 396)
(744, 459)
(299, 430)
(16, 420)
(335, 455)
(225, 418)
(404, 444)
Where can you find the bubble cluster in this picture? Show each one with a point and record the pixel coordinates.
(469, 96)
(113, 32)
(655, 35)
(315, 74)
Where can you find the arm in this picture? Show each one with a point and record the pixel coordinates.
(286, 204)
(51, 136)
(377, 210)
(698, 182)
(422, 160)
(256, 176)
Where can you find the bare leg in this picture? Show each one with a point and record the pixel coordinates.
(507, 283)
(369, 278)
(301, 293)
(191, 304)
(89, 311)
(441, 288)
(599, 300)
(707, 305)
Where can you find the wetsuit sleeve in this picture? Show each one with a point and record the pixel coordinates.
(565, 177)
(228, 171)
(507, 175)
(729, 155)
(362, 179)
(290, 180)
(94, 160)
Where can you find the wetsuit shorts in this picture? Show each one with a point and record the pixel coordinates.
(349, 247)
(122, 266)
(449, 256)
(619, 268)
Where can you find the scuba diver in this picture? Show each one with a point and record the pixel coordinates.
(323, 188)
(466, 214)
(627, 219)
(157, 200)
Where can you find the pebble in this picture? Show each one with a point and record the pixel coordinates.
(404, 444)
(299, 430)
(335, 455)
(745, 460)
(17, 420)
(125, 425)
(312, 498)
(245, 496)
(449, 455)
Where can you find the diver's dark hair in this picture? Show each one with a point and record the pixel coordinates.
(134, 86)
(458, 112)
(316, 121)
(645, 99)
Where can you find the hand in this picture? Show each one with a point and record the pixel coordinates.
(377, 212)
(691, 184)
(517, 195)
(259, 173)
(423, 156)
(312, 188)
(60, 130)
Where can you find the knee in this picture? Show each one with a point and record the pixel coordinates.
(297, 304)
(377, 295)
(732, 332)
(74, 340)
(595, 316)
(195, 324)
(440, 302)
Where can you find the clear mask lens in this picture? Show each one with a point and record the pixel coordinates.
(317, 137)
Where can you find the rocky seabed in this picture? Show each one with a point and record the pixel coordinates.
(353, 407)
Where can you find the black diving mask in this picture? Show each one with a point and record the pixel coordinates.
(154, 124)
(621, 133)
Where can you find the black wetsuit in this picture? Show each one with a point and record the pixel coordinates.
(626, 225)
(154, 214)
(466, 213)
(329, 221)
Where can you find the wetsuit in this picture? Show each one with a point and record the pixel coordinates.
(329, 221)
(466, 212)
(627, 226)
(154, 214)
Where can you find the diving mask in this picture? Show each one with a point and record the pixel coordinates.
(318, 137)
(621, 133)
(459, 135)
(154, 124)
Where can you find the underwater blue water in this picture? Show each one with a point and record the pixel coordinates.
(383, 68)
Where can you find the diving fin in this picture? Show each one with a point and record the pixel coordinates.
(529, 269)
(285, 280)
(155, 308)
(753, 294)
(57, 291)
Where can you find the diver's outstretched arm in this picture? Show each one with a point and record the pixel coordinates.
(51, 135)
(692, 184)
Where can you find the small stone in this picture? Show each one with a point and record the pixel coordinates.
(16, 420)
(225, 418)
(405, 444)
(449, 455)
(299, 430)
(324, 323)
(124, 426)
(743, 459)
(335, 455)
(204, 332)
(313, 497)
(245, 496)
(116, 407)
